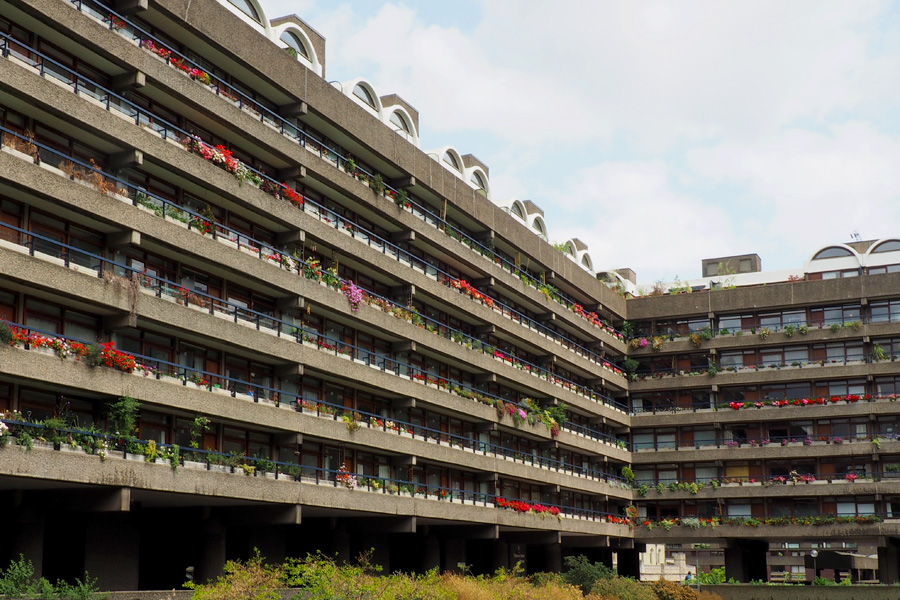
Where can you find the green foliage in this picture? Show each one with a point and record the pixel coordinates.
(198, 428)
(94, 356)
(123, 415)
(584, 574)
(628, 474)
(377, 184)
(714, 577)
(18, 581)
(253, 580)
(622, 588)
(5, 334)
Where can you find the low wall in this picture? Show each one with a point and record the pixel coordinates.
(804, 592)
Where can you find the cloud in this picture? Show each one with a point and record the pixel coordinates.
(631, 216)
(814, 187)
(658, 133)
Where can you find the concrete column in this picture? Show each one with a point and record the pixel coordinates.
(341, 540)
(628, 563)
(382, 553)
(553, 562)
(211, 561)
(889, 563)
(431, 552)
(270, 541)
(454, 554)
(29, 539)
(500, 555)
(111, 554)
(745, 560)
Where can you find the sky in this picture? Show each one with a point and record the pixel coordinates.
(659, 133)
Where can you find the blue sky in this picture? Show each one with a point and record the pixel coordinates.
(659, 133)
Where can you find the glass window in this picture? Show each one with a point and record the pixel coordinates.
(398, 120)
(247, 8)
(451, 160)
(833, 252)
(294, 42)
(889, 246)
(363, 94)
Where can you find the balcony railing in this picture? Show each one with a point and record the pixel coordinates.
(130, 30)
(106, 444)
(169, 210)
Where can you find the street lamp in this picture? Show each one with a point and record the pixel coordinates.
(814, 554)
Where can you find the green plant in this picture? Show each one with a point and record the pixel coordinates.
(23, 438)
(835, 327)
(199, 426)
(94, 356)
(583, 573)
(628, 474)
(878, 353)
(377, 184)
(660, 487)
(6, 334)
(803, 329)
(642, 490)
(764, 333)
(789, 330)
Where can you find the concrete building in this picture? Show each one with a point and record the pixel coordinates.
(338, 341)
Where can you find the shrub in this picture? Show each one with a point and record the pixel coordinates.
(669, 590)
(583, 573)
(621, 588)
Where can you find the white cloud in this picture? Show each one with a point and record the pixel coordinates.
(658, 133)
(814, 187)
(630, 216)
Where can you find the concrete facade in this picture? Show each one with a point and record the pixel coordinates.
(422, 423)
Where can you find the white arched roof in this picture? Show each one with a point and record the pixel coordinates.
(349, 87)
(388, 112)
(441, 154)
(885, 251)
(478, 171)
(849, 260)
(313, 61)
(261, 26)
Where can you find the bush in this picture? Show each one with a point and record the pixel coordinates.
(620, 588)
(669, 590)
(18, 581)
(582, 573)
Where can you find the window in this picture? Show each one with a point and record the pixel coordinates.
(451, 160)
(889, 246)
(364, 94)
(884, 312)
(833, 252)
(398, 120)
(516, 209)
(247, 8)
(294, 42)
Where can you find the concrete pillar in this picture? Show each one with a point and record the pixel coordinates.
(628, 563)
(112, 550)
(553, 563)
(29, 539)
(211, 561)
(500, 555)
(271, 542)
(518, 555)
(381, 554)
(454, 554)
(745, 560)
(341, 539)
(889, 563)
(431, 553)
